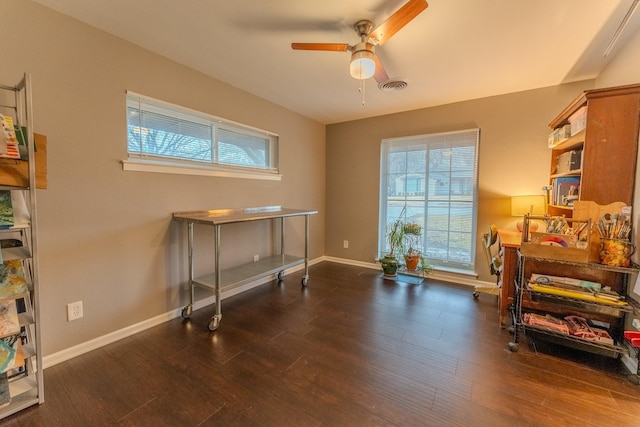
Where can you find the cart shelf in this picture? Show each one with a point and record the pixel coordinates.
(578, 304)
(574, 342)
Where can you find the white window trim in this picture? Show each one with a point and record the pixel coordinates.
(141, 164)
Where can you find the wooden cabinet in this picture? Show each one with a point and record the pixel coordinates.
(607, 146)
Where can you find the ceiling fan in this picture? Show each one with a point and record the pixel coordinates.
(364, 62)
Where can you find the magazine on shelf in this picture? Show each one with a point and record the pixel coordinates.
(9, 324)
(12, 279)
(5, 395)
(11, 353)
(21, 216)
(8, 140)
(6, 209)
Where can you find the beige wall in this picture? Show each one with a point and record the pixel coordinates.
(514, 159)
(106, 235)
(624, 67)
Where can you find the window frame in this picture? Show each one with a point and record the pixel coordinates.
(150, 162)
(417, 202)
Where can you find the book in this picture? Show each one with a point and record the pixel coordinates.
(23, 140)
(8, 140)
(5, 394)
(12, 279)
(21, 215)
(7, 356)
(21, 135)
(17, 358)
(565, 190)
(9, 324)
(6, 209)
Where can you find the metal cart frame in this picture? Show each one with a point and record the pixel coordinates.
(237, 276)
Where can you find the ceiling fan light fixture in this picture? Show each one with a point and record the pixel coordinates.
(362, 65)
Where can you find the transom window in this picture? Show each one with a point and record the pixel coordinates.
(432, 180)
(159, 131)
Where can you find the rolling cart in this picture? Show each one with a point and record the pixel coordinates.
(237, 276)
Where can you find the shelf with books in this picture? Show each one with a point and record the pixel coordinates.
(565, 190)
(21, 373)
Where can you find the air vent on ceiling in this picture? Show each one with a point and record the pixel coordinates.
(393, 84)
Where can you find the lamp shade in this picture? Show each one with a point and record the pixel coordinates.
(521, 205)
(362, 64)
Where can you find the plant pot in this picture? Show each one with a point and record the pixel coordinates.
(412, 261)
(389, 265)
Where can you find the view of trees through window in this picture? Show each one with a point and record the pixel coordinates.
(167, 132)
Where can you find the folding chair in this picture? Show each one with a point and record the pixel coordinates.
(494, 261)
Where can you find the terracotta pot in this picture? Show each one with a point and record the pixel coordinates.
(412, 261)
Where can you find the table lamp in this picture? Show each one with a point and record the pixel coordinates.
(532, 205)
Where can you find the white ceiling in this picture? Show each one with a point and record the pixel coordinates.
(454, 50)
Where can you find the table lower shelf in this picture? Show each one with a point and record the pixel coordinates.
(245, 273)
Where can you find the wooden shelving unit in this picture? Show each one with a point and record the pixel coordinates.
(609, 144)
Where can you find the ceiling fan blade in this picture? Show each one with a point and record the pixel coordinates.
(380, 74)
(334, 47)
(399, 19)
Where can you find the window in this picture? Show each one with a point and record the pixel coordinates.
(167, 133)
(432, 180)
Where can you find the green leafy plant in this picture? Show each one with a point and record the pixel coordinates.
(395, 236)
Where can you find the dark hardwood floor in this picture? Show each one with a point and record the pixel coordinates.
(352, 349)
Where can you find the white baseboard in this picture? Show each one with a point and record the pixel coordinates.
(445, 276)
(85, 347)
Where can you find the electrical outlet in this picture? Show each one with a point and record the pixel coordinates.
(345, 244)
(256, 258)
(74, 311)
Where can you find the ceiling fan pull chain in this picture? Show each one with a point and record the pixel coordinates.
(362, 89)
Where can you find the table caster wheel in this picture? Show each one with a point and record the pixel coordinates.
(214, 324)
(476, 295)
(280, 275)
(513, 347)
(186, 312)
(305, 279)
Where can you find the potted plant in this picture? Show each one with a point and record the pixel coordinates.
(411, 233)
(395, 237)
(403, 239)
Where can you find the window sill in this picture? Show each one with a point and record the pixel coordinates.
(160, 167)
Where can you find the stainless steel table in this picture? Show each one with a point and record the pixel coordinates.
(242, 274)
